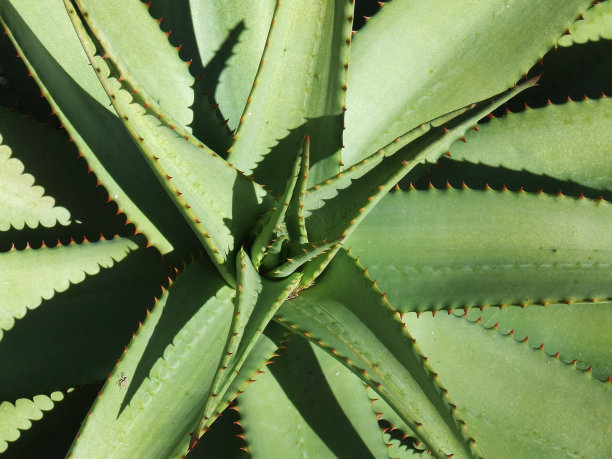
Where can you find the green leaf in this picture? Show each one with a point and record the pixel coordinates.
(296, 225)
(24, 203)
(59, 171)
(56, 60)
(274, 253)
(595, 25)
(142, 55)
(400, 439)
(560, 328)
(18, 416)
(463, 248)
(263, 351)
(29, 276)
(276, 220)
(516, 401)
(225, 40)
(219, 203)
(51, 436)
(338, 206)
(80, 331)
(303, 254)
(346, 315)
(569, 142)
(320, 409)
(169, 366)
(255, 303)
(416, 60)
(299, 90)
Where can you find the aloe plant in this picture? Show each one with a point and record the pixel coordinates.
(241, 228)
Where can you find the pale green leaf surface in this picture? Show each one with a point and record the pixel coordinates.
(21, 202)
(242, 25)
(296, 224)
(461, 248)
(53, 54)
(274, 222)
(142, 54)
(566, 329)
(415, 60)
(169, 366)
(304, 254)
(18, 416)
(595, 25)
(255, 303)
(400, 439)
(262, 352)
(346, 315)
(31, 275)
(263, 298)
(78, 332)
(571, 142)
(339, 205)
(298, 91)
(320, 409)
(219, 203)
(516, 401)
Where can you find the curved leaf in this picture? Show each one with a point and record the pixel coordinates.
(462, 248)
(557, 328)
(27, 277)
(168, 369)
(19, 416)
(219, 203)
(595, 24)
(73, 338)
(320, 409)
(516, 401)
(299, 90)
(410, 62)
(55, 58)
(569, 142)
(24, 203)
(346, 315)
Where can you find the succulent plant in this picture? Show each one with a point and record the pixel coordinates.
(246, 229)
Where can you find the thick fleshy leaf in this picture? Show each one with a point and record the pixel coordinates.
(165, 373)
(320, 409)
(303, 254)
(299, 90)
(408, 64)
(18, 416)
(219, 203)
(255, 303)
(55, 58)
(224, 439)
(296, 224)
(142, 54)
(515, 400)
(58, 171)
(22, 202)
(400, 439)
(74, 337)
(569, 142)
(595, 25)
(345, 314)
(462, 248)
(275, 221)
(225, 41)
(51, 436)
(339, 205)
(558, 328)
(28, 277)
(260, 355)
